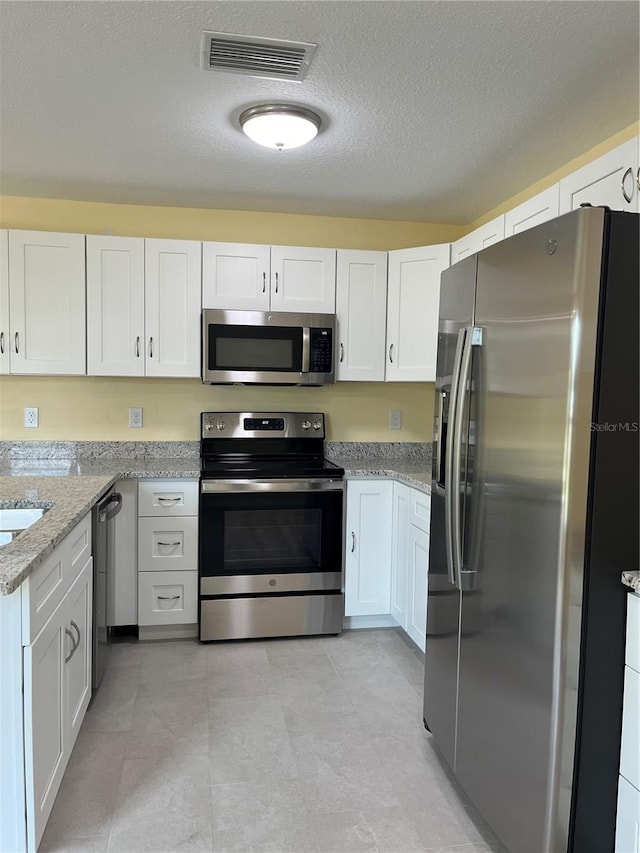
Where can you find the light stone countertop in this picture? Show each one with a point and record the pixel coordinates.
(67, 500)
(632, 580)
(413, 472)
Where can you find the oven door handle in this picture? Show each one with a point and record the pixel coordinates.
(242, 486)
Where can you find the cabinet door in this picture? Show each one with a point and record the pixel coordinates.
(412, 312)
(47, 299)
(4, 301)
(627, 818)
(490, 233)
(368, 547)
(46, 731)
(235, 276)
(303, 279)
(605, 181)
(79, 601)
(541, 208)
(465, 246)
(173, 274)
(361, 308)
(115, 306)
(418, 548)
(400, 553)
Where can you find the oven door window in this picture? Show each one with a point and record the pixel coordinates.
(255, 348)
(263, 534)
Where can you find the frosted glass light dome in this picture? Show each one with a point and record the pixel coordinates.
(280, 126)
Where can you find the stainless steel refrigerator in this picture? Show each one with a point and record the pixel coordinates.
(534, 515)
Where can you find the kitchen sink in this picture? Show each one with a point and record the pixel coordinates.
(14, 521)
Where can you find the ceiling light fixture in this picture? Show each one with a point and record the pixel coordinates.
(280, 125)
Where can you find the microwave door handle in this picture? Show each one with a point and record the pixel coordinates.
(306, 349)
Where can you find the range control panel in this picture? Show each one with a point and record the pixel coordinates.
(262, 425)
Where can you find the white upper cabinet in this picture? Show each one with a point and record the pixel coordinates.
(303, 279)
(47, 302)
(4, 301)
(143, 307)
(253, 277)
(412, 312)
(488, 234)
(236, 276)
(115, 306)
(541, 208)
(361, 309)
(172, 307)
(611, 180)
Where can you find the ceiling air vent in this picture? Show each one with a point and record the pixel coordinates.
(256, 57)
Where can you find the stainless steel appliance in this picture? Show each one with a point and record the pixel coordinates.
(271, 516)
(267, 348)
(103, 554)
(534, 516)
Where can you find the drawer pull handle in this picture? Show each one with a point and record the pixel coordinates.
(276, 282)
(138, 346)
(73, 643)
(627, 196)
(391, 353)
(77, 630)
(16, 341)
(168, 597)
(169, 544)
(264, 282)
(341, 353)
(172, 501)
(151, 347)
(1, 343)
(353, 541)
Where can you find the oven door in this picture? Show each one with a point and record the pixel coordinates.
(274, 536)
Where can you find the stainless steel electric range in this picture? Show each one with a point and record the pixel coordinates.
(271, 519)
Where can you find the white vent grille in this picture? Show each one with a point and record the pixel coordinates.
(256, 57)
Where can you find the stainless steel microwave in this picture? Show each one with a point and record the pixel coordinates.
(267, 348)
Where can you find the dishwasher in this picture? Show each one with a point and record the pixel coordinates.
(103, 538)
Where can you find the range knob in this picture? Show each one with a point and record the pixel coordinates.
(305, 424)
(220, 425)
(208, 427)
(317, 424)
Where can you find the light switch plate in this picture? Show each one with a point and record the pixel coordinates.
(395, 420)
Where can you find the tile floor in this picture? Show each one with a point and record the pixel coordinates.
(288, 745)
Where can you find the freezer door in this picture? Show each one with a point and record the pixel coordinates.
(536, 302)
(443, 603)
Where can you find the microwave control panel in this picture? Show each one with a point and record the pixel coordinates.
(321, 350)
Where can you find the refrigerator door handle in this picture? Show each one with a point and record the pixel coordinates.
(473, 337)
(450, 485)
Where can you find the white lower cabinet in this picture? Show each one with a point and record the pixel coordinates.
(628, 816)
(45, 685)
(167, 554)
(387, 554)
(368, 547)
(410, 561)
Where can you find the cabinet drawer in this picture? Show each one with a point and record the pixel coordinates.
(167, 544)
(167, 598)
(632, 655)
(168, 497)
(630, 749)
(45, 588)
(420, 510)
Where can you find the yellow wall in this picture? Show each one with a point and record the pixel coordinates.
(97, 409)
(88, 408)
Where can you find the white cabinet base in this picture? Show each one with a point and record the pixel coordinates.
(167, 632)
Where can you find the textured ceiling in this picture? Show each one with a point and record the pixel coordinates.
(432, 111)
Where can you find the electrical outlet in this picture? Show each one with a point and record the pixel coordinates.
(31, 416)
(135, 417)
(395, 420)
